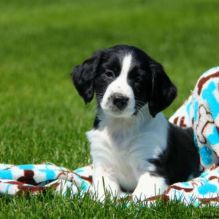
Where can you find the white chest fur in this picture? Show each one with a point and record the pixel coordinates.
(122, 147)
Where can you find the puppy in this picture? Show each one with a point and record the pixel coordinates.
(133, 146)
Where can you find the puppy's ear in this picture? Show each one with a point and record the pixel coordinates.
(83, 76)
(163, 90)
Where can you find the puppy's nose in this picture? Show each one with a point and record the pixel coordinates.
(120, 101)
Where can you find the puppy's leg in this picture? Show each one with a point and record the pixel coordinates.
(149, 185)
(104, 172)
(104, 182)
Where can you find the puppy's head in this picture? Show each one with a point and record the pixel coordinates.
(124, 79)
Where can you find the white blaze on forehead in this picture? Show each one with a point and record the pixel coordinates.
(120, 86)
(126, 65)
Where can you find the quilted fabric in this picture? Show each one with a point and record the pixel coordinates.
(201, 112)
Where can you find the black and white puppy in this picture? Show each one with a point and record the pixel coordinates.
(133, 146)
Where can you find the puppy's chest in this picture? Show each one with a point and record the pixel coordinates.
(133, 145)
(122, 149)
(124, 152)
(127, 161)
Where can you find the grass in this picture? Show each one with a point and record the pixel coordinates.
(41, 116)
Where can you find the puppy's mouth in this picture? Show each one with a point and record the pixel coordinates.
(113, 111)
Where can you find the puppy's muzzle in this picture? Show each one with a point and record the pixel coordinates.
(119, 101)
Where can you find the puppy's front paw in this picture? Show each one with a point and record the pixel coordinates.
(142, 195)
(101, 192)
(149, 186)
(98, 194)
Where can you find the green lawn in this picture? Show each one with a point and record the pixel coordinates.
(41, 116)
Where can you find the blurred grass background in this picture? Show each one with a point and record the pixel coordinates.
(41, 116)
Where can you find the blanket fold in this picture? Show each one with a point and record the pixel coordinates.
(18, 179)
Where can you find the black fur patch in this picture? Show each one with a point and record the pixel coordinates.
(96, 123)
(180, 159)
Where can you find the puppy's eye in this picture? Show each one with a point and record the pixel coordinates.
(138, 80)
(109, 73)
(137, 83)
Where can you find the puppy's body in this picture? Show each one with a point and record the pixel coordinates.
(133, 146)
(123, 147)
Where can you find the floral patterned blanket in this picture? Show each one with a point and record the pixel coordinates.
(200, 111)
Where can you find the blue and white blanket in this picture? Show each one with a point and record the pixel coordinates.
(200, 111)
